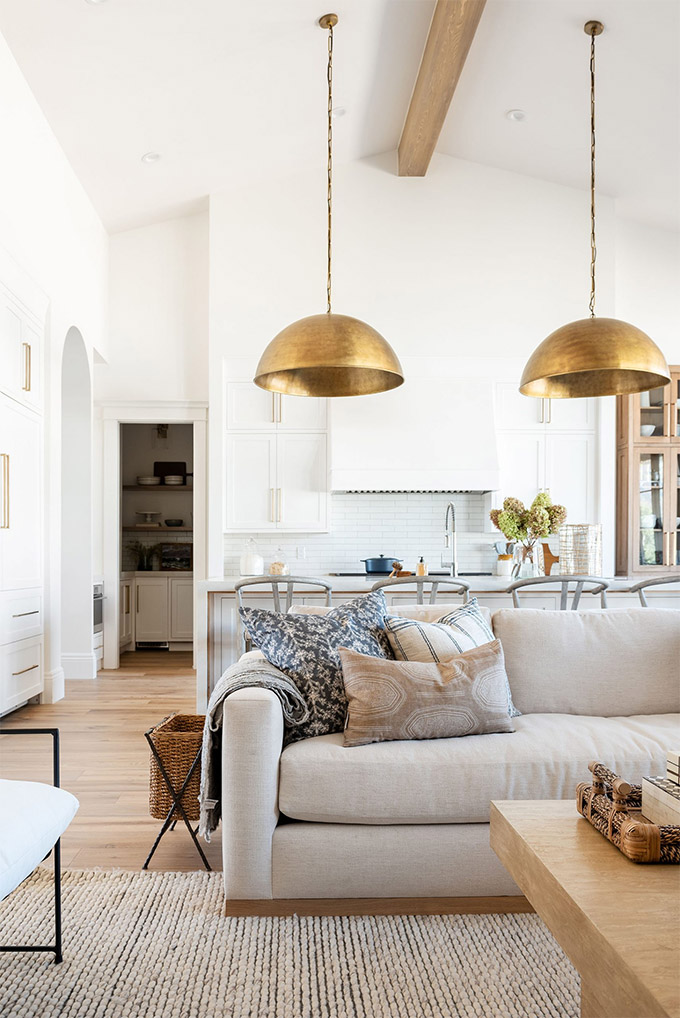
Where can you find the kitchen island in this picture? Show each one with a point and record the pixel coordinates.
(219, 640)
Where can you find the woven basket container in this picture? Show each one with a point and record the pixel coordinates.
(177, 740)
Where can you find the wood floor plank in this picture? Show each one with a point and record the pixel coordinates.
(105, 761)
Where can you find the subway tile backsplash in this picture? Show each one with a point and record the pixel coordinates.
(402, 524)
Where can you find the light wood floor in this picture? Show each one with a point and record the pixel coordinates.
(105, 761)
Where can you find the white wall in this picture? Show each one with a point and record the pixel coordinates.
(158, 313)
(48, 225)
(648, 283)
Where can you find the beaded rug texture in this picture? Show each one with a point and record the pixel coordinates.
(156, 945)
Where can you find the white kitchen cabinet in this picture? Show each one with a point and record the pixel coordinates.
(125, 633)
(164, 611)
(20, 353)
(276, 482)
(517, 412)
(21, 672)
(20, 496)
(250, 408)
(151, 609)
(301, 482)
(561, 463)
(181, 609)
(251, 481)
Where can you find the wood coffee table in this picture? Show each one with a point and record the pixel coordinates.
(618, 921)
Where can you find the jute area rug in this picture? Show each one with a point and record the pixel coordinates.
(156, 945)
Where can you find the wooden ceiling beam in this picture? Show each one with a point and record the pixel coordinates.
(453, 28)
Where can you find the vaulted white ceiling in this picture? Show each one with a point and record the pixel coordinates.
(229, 91)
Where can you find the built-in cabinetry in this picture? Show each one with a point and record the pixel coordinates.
(276, 471)
(548, 445)
(125, 621)
(163, 609)
(648, 480)
(21, 444)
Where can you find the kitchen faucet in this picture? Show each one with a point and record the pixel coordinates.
(450, 537)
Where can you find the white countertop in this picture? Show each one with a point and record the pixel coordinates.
(478, 584)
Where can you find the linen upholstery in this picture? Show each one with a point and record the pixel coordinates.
(252, 736)
(388, 700)
(452, 781)
(409, 861)
(34, 816)
(610, 663)
(305, 648)
(423, 612)
(451, 633)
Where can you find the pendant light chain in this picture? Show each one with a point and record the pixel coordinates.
(593, 248)
(329, 197)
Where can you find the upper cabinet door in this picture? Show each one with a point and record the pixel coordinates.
(251, 482)
(570, 414)
(20, 500)
(513, 410)
(522, 461)
(570, 474)
(250, 408)
(302, 413)
(674, 403)
(302, 484)
(20, 355)
(653, 416)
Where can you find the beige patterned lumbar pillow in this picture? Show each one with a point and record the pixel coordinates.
(424, 699)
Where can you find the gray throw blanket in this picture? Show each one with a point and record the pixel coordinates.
(253, 671)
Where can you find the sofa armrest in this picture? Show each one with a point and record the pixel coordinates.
(252, 737)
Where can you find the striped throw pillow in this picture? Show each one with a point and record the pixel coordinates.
(440, 641)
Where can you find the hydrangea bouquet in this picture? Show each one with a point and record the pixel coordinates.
(527, 527)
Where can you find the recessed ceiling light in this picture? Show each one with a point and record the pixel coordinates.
(516, 115)
(150, 157)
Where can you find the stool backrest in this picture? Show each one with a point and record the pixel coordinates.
(581, 585)
(432, 583)
(289, 586)
(639, 588)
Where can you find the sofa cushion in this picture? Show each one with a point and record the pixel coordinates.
(609, 663)
(422, 612)
(454, 780)
(34, 816)
(305, 648)
(467, 695)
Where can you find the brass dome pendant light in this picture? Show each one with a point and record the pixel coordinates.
(594, 356)
(329, 354)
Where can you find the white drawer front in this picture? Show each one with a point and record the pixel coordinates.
(21, 672)
(20, 616)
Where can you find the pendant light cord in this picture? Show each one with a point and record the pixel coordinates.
(593, 248)
(329, 197)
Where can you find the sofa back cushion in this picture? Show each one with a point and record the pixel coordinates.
(614, 663)
(421, 612)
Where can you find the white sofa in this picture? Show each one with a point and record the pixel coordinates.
(410, 819)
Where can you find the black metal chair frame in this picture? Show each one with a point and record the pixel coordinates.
(56, 947)
(655, 581)
(177, 806)
(454, 586)
(596, 585)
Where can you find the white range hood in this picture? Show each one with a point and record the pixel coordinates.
(427, 435)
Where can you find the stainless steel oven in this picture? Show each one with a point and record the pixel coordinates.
(98, 608)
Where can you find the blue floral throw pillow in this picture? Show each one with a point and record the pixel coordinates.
(305, 647)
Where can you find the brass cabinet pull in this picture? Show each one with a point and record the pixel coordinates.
(272, 511)
(542, 418)
(27, 367)
(5, 491)
(549, 402)
(137, 599)
(24, 670)
(278, 414)
(21, 615)
(674, 546)
(666, 548)
(279, 504)
(126, 599)
(273, 408)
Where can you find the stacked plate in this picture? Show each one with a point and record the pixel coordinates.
(174, 479)
(148, 481)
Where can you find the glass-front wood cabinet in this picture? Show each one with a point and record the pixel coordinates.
(648, 482)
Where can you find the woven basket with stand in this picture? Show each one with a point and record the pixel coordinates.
(177, 740)
(613, 807)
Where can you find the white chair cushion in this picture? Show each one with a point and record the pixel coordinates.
(34, 816)
(454, 780)
(611, 663)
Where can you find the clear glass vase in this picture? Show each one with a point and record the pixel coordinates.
(528, 560)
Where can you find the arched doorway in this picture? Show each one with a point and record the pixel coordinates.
(77, 654)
